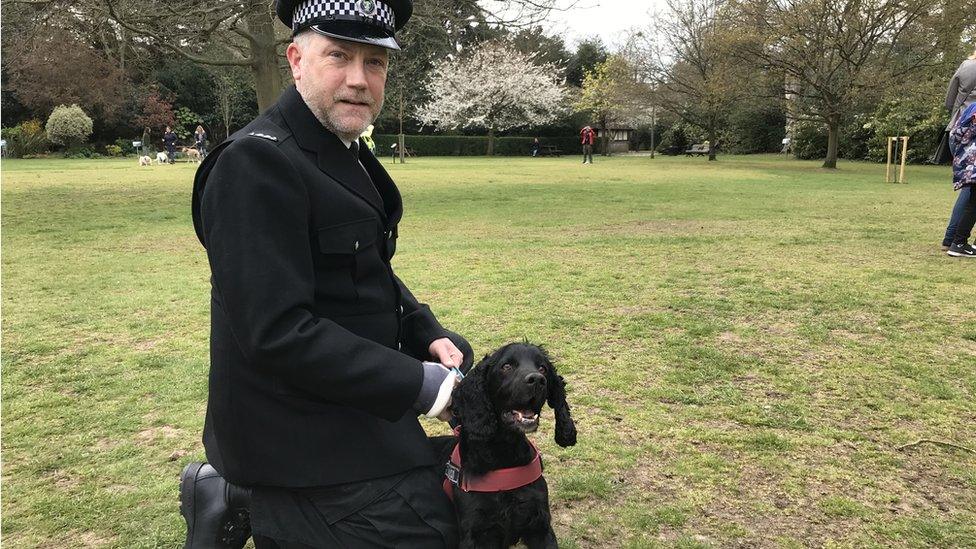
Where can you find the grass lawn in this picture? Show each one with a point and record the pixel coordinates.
(746, 343)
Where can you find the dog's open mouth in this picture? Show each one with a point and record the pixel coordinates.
(526, 420)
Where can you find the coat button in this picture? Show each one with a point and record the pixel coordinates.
(389, 235)
(355, 246)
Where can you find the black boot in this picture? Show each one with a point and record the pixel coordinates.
(216, 512)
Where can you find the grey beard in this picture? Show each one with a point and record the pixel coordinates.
(327, 123)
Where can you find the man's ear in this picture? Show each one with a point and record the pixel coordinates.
(294, 55)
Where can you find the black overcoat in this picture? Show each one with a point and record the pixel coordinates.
(308, 386)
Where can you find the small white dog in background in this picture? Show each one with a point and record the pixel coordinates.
(145, 161)
(161, 158)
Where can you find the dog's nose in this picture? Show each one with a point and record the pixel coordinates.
(535, 378)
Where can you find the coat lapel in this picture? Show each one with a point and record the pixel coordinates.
(333, 158)
(392, 201)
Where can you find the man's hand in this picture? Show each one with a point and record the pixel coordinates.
(444, 351)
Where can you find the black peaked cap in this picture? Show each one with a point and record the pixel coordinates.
(402, 9)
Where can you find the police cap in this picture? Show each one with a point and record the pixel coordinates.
(366, 21)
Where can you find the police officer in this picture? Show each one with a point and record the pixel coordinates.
(321, 358)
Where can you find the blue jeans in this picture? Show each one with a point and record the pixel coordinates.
(957, 211)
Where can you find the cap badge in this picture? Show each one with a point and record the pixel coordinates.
(367, 7)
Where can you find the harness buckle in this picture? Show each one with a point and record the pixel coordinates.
(453, 473)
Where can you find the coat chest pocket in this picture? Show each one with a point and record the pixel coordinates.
(346, 249)
(347, 238)
(391, 240)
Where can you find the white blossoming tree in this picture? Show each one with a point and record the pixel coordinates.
(495, 88)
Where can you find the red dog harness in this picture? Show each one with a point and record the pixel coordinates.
(499, 480)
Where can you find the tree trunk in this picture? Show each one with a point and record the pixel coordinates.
(491, 141)
(400, 141)
(264, 58)
(711, 142)
(833, 133)
(606, 137)
(122, 45)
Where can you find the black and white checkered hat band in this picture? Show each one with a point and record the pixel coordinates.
(371, 11)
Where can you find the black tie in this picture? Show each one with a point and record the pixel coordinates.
(354, 148)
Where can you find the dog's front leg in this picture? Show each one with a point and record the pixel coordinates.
(483, 539)
(542, 540)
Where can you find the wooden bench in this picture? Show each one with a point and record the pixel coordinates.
(550, 150)
(698, 149)
(407, 151)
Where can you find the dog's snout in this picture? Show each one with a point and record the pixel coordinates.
(535, 378)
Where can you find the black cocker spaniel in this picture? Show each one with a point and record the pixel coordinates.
(497, 403)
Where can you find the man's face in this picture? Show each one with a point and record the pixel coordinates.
(342, 82)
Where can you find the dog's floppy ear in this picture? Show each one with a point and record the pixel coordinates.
(471, 404)
(565, 426)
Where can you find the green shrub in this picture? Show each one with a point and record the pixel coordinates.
(471, 145)
(186, 122)
(755, 131)
(81, 152)
(125, 145)
(923, 123)
(26, 139)
(113, 150)
(68, 126)
(679, 136)
(811, 141)
(864, 136)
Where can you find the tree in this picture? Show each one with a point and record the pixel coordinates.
(496, 88)
(235, 99)
(155, 112)
(611, 95)
(840, 55)
(690, 63)
(589, 53)
(547, 49)
(68, 126)
(46, 69)
(241, 33)
(245, 33)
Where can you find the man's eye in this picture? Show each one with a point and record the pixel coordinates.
(337, 55)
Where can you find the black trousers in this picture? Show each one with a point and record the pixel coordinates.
(966, 221)
(415, 512)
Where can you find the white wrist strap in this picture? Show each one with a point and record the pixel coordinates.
(443, 397)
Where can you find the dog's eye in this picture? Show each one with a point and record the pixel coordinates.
(506, 368)
(542, 369)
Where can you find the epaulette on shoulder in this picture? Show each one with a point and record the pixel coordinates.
(264, 135)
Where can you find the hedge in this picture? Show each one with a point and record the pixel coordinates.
(471, 145)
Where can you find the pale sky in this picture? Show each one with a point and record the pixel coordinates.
(605, 18)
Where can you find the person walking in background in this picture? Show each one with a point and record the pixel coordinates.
(587, 139)
(961, 94)
(169, 143)
(200, 141)
(963, 138)
(535, 147)
(146, 140)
